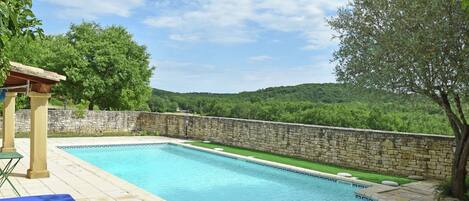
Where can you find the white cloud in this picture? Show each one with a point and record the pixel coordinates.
(260, 58)
(169, 22)
(238, 21)
(181, 37)
(91, 9)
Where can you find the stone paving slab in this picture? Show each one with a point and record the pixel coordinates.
(73, 176)
(416, 191)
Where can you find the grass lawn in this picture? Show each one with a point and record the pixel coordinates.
(363, 175)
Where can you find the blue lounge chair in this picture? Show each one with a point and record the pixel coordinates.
(58, 197)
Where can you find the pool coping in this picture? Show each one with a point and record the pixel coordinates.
(359, 193)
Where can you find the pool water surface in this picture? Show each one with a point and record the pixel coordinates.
(176, 173)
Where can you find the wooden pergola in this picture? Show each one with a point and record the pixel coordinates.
(37, 84)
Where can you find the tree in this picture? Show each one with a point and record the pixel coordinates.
(104, 66)
(113, 70)
(16, 19)
(406, 46)
(53, 53)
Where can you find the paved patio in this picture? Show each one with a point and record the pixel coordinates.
(72, 176)
(416, 191)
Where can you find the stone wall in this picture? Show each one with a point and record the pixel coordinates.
(91, 122)
(386, 152)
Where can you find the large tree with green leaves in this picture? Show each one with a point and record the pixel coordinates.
(418, 46)
(112, 70)
(16, 20)
(104, 66)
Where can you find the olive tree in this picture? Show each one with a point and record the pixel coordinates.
(16, 19)
(418, 46)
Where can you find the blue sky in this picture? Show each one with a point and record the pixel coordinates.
(215, 45)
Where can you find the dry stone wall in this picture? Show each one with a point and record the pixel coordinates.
(90, 122)
(386, 152)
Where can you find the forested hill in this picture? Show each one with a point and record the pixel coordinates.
(321, 104)
(325, 93)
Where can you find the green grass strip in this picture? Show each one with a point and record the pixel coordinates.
(331, 169)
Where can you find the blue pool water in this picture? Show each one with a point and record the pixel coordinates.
(176, 173)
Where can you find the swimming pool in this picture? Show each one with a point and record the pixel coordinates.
(176, 173)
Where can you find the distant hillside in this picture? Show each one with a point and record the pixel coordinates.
(322, 104)
(325, 93)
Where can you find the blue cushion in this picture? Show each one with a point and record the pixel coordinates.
(58, 197)
(2, 94)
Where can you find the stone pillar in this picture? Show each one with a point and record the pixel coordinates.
(38, 135)
(9, 122)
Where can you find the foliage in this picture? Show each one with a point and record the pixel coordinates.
(417, 47)
(321, 104)
(104, 66)
(55, 102)
(159, 104)
(16, 20)
(331, 169)
(22, 101)
(465, 5)
(80, 110)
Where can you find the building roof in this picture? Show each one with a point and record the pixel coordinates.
(23, 78)
(36, 72)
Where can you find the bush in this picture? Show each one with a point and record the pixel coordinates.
(80, 111)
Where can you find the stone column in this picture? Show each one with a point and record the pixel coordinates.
(9, 122)
(38, 135)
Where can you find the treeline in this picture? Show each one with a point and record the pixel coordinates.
(320, 104)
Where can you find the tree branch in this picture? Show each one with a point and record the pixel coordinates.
(457, 100)
(455, 123)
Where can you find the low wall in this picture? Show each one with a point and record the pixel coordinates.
(380, 151)
(92, 121)
(385, 152)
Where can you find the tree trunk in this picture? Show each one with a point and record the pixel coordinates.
(458, 186)
(90, 106)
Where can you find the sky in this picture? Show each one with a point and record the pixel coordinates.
(221, 46)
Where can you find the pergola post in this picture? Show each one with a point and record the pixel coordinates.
(9, 122)
(38, 136)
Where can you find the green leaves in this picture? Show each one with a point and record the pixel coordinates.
(103, 65)
(320, 104)
(404, 46)
(465, 4)
(16, 20)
